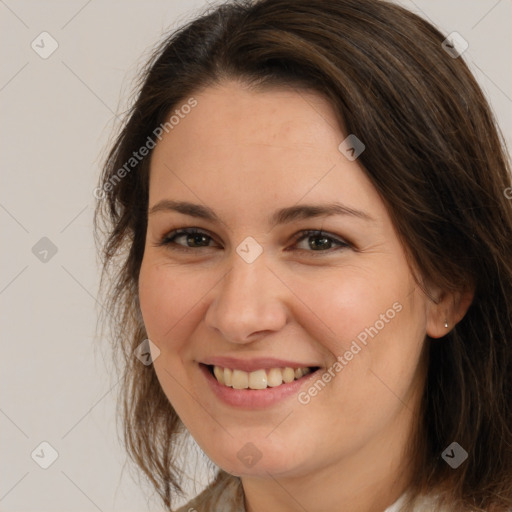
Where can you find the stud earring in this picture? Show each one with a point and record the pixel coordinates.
(446, 324)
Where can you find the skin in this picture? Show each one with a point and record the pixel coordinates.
(244, 154)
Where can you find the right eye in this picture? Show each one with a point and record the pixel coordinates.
(193, 239)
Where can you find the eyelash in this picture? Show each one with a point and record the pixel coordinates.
(169, 240)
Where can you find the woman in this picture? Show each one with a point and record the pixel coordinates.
(309, 240)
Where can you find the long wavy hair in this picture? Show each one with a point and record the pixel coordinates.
(433, 152)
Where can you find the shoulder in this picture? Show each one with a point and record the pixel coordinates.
(224, 494)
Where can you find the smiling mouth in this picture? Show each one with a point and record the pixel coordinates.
(259, 379)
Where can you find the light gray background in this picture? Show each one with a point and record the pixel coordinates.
(57, 116)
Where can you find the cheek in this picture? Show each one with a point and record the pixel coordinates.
(376, 323)
(150, 297)
(165, 299)
(350, 306)
(382, 376)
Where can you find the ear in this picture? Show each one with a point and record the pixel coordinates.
(449, 309)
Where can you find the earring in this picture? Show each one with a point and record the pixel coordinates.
(446, 324)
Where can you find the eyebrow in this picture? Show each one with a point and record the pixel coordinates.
(282, 216)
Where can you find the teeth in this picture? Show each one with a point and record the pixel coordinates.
(240, 379)
(228, 375)
(259, 379)
(219, 374)
(288, 375)
(275, 377)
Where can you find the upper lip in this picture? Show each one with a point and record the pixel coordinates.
(253, 364)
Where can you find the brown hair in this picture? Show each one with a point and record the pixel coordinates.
(435, 155)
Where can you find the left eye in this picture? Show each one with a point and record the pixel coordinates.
(195, 239)
(324, 241)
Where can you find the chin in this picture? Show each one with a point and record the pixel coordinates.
(256, 460)
(260, 469)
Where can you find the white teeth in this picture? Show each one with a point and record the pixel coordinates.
(219, 374)
(275, 377)
(259, 379)
(240, 379)
(228, 375)
(288, 375)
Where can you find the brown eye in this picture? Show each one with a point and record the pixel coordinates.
(192, 237)
(318, 241)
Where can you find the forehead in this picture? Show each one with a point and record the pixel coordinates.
(241, 147)
(232, 115)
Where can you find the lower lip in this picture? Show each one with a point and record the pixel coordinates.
(254, 398)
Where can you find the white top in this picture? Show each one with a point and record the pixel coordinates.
(396, 506)
(225, 494)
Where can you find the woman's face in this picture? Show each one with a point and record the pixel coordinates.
(252, 294)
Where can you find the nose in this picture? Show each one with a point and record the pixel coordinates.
(248, 303)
